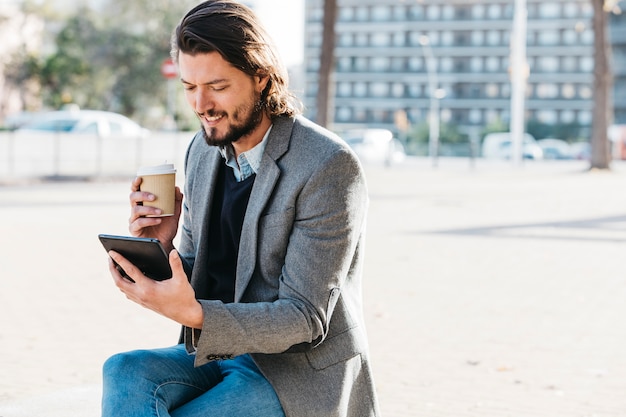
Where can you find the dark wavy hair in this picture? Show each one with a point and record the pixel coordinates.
(232, 30)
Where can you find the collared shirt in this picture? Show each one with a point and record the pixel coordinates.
(248, 162)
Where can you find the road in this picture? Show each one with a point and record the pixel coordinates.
(490, 290)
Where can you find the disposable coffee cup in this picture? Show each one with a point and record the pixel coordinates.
(159, 180)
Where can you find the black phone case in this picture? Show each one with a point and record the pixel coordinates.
(147, 254)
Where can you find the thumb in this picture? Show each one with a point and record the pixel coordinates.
(176, 264)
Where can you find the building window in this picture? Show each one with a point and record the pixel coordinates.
(547, 116)
(360, 64)
(380, 39)
(346, 14)
(478, 11)
(416, 63)
(584, 117)
(568, 116)
(494, 11)
(448, 38)
(586, 37)
(362, 14)
(478, 38)
(492, 64)
(493, 38)
(570, 9)
(568, 64)
(400, 13)
(398, 64)
(549, 10)
(492, 90)
(547, 37)
(344, 64)
(548, 64)
(448, 12)
(585, 92)
(415, 90)
(397, 90)
(344, 114)
(399, 39)
(477, 64)
(475, 116)
(380, 89)
(381, 13)
(568, 90)
(361, 39)
(462, 38)
(379, 64)
(344, 89)
(345, 39)
(570, 37)
(586, 64)
(433, 12)
(545, 90)
(360, 89)
(416, 12)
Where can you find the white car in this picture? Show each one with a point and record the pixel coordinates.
(499, 146)
(101, 123)
(375, 145)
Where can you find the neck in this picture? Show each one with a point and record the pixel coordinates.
(254, 138)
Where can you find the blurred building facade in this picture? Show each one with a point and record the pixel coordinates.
(384, 49)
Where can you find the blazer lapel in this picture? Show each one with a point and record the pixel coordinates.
(203, 196)
(266, 178)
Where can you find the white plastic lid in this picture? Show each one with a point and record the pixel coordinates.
(156, 170)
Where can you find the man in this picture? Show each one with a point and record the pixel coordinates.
(267, 279)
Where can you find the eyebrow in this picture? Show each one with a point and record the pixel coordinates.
(212, 82)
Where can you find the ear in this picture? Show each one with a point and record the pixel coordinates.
(261, 82)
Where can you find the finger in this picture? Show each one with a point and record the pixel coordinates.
(137, 224)
(131, 270)
(136, 184)
(138, 197)
(119, 276)
(176, 264)
(143, 211)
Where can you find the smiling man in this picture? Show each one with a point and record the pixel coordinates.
(266, 282)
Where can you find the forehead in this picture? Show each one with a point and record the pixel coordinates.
(205, 67)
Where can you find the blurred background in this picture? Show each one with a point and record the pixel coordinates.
(499, 274)
(395, 78)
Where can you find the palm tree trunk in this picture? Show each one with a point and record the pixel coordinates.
(602, 84)
(325, 92)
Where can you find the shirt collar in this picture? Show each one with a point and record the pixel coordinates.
(248, 162)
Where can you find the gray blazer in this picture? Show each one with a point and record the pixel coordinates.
(298, 305)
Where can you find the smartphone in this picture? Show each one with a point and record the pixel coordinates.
(147, 254)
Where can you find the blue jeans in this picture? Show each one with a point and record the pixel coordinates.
(164, 382)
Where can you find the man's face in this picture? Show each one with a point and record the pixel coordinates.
(225, 99)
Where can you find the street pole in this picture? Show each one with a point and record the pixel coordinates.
(519, 75)
(433, 117)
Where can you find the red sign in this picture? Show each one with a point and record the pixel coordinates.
(168, 69)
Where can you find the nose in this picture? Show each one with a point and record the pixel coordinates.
(203, 101)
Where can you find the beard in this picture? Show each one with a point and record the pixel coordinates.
(245, 119)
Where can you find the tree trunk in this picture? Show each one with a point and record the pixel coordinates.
(602, 84)
(325, 92)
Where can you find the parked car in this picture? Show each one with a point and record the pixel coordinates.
(375, 145)
(581, 150)
(96, 122)
(499, 146)
(555, 148)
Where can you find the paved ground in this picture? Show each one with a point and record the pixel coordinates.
(489, 291)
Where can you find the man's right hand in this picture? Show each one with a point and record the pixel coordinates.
(162, 228)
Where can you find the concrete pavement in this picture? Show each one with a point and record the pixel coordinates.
(489, 291)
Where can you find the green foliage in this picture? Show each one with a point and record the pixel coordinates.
(448, 133)
(106, 59)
